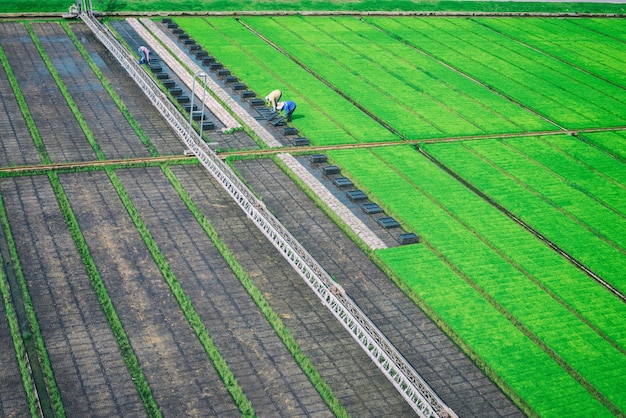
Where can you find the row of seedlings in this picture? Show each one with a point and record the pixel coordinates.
(333, 173)
(170, 85)
(225, 75)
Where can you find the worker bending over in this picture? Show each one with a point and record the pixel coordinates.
(145, 55)
(288, 107)
(273, 98)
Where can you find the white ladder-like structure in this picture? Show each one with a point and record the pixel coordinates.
(395, 367)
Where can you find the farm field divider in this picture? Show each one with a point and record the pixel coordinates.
(563, 94)
(518, 277)
(323, 115)
(416, 95)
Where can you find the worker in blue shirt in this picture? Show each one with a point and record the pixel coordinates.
(288, 107)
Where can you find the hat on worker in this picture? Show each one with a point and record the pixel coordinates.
(280, 105)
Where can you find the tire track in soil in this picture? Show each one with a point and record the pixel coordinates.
(356, 381)
(181, 377)
(88, 367)
(447, 370)
(268, 374)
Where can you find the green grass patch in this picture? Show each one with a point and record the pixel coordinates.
(563, 94)
(322, 115)
(475, 240)
(409, 91)
(507, 352)
(594, 47)
(14, 6)
(503, 175)
(613, 144)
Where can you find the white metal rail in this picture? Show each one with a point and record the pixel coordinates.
(395, 367)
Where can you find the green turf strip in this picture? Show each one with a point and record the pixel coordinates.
(548, 218)
(595, 159)
(203, 6)
(413, 113)
(566, 95)
(548, 390)
(322, 115)
(605, 26)
(581, 188)
(413, 93)
(461, 227)
(567, 40)
(613, 143)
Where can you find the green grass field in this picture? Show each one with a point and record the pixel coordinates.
(504, 131)
(112, 6)
(492, 105)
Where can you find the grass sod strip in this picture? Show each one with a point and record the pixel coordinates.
(584, 205)
(587, 158)
(394, 56)
(597, 100)
(547, 87)
(613, 143)
(405, 90)
(570, 42)
(605, 96)
(50, 400)
(231, 384)
(535, 313)
(536, 310)
(322, 115)
(606, 27)
(319, 52)
(111, 91)
(281, 330)
(190, 314)
(484, 70)
(589, 197)
(553, 274)
(121, 338)
(20, 6)
(582, 244)
(546, 390)
(14, 326)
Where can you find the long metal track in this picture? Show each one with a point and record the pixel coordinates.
(396, 368)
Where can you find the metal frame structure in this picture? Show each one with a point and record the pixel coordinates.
(396, 368)
(198, 75)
